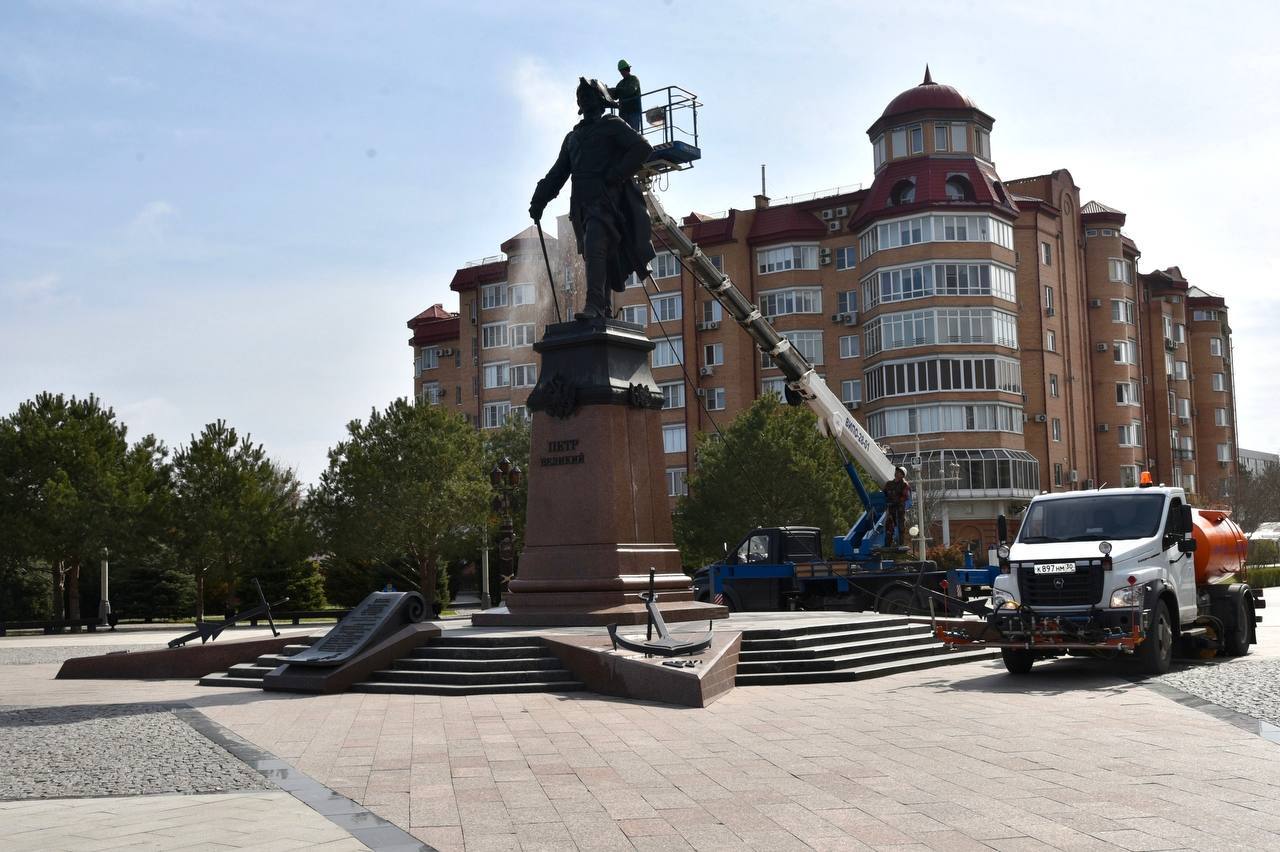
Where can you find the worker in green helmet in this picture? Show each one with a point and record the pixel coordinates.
(627, 94)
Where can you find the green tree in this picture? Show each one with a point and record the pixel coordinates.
(408, 484)
(71, 486)
(231, 505)
(772, 467)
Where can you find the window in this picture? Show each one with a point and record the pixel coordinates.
(1220, 381)
(672, 394)
(1051, 341)
(717, 260)
(1124, 352)
(1224, 452)
(712, 312)
(495, 414)
(524, 375)
(665, 265)
(959, 137)
(939, 228)
(1046, 254)
(1184, 408)
(786, 257)
(428, 359)
(915, 420)
(457, 391)
(982, 141)
(1215, 346)
(497, 375)
(676, 486)
(1056, 425)
(1091, 232)
(1220, 417)
(1166, 323)
(1180, 333)
(923, 375)
(713, 354)
(846, 301)
(1048, 299)
(493, 335)
(522, 294)
(941, 325)
(808, 343)
(1180, 370)
(668, 351)
(916, 132)
(667, 308)
(795, 300)
(903, 192)
(1119, 270)
(1130, 434)
(518, 413)
(522, 334)
(1053, 384)
(715, 399)
(878, 145)
(638, 314)
(493, 296)
(958, 188)
(849, 346)
(1128, 476)
(1127, 393)
(941, 138)
(673, 438)
(1202, 316)
(632, 280)
(846, 257)
(851, 390)
(1122, 311)
(899, 137)
(1057, 473)
(431, 393)
(1168, 370)
(776, 386)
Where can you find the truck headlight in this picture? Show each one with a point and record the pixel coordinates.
(1001, 600)
(1127, 596)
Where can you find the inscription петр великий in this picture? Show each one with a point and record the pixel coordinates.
(567, 445)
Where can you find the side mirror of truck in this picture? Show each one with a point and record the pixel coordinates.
(1002, 528)
(1188, 522)
(1187, 545)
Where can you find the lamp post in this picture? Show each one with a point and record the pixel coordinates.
(104, 605)
(505, 479)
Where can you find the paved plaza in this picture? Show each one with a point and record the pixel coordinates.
(964, 757)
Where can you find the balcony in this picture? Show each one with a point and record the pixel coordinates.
(1183, 454)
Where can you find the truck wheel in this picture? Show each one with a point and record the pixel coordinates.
(1017, 661)
(896, 601)
(1236, 640)
(1155, 654)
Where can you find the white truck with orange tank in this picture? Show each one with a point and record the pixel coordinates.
(1116, 572)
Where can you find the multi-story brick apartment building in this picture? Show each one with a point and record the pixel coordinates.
(997, 329)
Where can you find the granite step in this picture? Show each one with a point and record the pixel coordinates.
(837, 643)
(229, 680)
(765, 633)
(816, 657)
(855, 657)
(467, 689)
(397, 675)
(452, 664)
(834, 634)
(457, 651)
(872, 670)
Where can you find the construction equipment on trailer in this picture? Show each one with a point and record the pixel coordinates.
(1117, 572)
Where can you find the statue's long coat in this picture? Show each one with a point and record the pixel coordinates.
(601, 155)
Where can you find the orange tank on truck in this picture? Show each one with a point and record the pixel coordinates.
(1220, 547)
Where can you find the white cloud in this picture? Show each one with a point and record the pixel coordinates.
(36, 289)
(152, 220)
(546, 101)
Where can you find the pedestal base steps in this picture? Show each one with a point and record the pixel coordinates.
(843, 651)
(251, 674)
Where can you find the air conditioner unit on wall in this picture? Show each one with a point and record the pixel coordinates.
(1103, 347)
(842, 211)
(700, 392)
(1048, 312)
(706, 371)
(1075, 476)
(851, 318)
(1095, 303)
(827, 214)
(1041, 418)
(837, 317)
(1104, 427)
(446, 351)
(833, 225)
(852, 406)
(826, 261)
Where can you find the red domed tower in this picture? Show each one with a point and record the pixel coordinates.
(940, 312)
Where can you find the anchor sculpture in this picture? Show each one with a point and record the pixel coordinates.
(665, 645)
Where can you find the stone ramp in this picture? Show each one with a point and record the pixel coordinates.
(832, 651)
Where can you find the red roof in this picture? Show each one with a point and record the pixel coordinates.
(926, 96)
(784, 223)
(434, 312)
(433, 329)
(709, 232)
(1093, 213)
(930, 177)
(470, 277)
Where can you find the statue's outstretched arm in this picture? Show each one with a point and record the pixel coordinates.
(549, 187)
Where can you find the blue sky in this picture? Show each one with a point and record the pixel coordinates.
(220, 209)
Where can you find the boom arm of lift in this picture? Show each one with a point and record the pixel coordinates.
(833, 418)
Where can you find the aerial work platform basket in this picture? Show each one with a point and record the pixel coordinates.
(670, 124)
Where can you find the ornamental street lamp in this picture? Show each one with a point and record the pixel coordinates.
(104, 603)
(505, 479)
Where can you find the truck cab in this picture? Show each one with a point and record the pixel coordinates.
(1116, 572)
